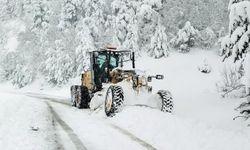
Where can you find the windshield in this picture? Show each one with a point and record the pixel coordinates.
(101, 59)
(113, 61)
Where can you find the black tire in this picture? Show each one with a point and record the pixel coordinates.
(114, 100)
(80, 96)
(167, 101)
(73, 94)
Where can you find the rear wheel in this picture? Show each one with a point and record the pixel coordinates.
(167, 101)
(80, 96)
(73, 94)
(114, 100)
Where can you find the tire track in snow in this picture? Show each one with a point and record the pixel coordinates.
(133, 137)
(119, 129)
(44, 97)
(74, 138)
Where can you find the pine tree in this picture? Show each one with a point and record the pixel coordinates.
(59, 66)
(9, 9)
(124, 16)
(72, 12)
(22, 76)
(85, 45)
(3, 38)
(41, 15)
(132, 39)
(8, 64)
(159, 47)
(237, 44)
(231, 2)
(97, 10)
(185, 38)
(152, 36)
(207, 38)
(147, 21)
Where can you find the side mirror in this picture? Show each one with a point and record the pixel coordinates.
(149, 79)
(159, 77)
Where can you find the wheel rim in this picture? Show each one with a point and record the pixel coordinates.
(109, 97)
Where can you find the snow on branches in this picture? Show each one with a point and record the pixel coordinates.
(124, 17)
(207, 38)
(41, 15)
(185, 38)
(71, 12)
(22, 76)
(59, 66)
(152, 34)
(236, 44)
(159, 47)
(85, 45)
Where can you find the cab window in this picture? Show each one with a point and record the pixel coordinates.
(101, 59)
(113, 61)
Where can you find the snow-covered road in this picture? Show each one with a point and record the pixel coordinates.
(26, 124)
(21, 116)
(59, 126)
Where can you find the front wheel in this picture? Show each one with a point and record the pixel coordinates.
(166, 101)
(114, 100)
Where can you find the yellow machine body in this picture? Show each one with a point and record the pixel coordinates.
(87, 81)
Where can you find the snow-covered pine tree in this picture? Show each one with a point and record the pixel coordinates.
(14, 69)
(147, 21)
(8, 63)
(124, 12)
(3, 38)
(97, 13)
(59, 66)
(9, 9)
(185, 38)
(85, 44)
(207, 38)
(152, 34)
(132, 39)
(237, 44)
(72, 12)
(41, 15)
(22, 76)
(97, 10)
(158, 46)
(231, 2)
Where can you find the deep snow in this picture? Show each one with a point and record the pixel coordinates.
(202, 120)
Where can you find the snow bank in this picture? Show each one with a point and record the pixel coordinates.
(165, 131)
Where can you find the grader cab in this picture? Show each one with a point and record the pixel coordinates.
(106, 68)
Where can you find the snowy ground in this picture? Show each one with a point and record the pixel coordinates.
(20, 117)
(202, 120)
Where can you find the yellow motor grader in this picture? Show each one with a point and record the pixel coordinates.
(106, 70)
